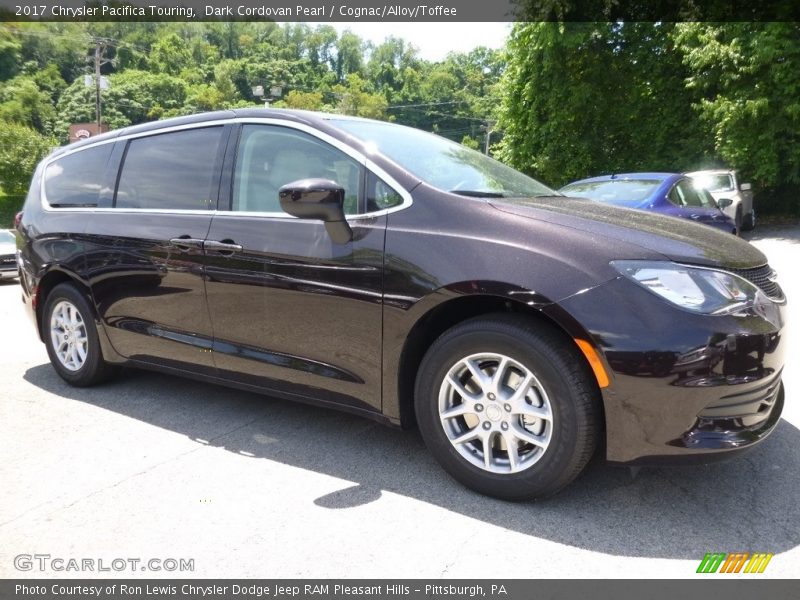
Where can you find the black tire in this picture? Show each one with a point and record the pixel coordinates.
(561, 370)
(738, 220)
(94, 368)
(749, 222)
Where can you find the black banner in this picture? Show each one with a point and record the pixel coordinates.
(399, 10)
(410, 589)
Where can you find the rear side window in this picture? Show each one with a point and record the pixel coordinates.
(75, 180)
(170, 171)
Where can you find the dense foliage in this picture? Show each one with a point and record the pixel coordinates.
(570, 100)
(583, 99)
(20, 149)
(158, 70)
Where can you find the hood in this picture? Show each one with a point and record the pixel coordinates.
(679, 240)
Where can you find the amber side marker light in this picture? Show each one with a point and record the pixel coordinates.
(594, 361)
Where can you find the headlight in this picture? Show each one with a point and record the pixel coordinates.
(698, 289)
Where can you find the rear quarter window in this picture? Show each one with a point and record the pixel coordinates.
(76, 180)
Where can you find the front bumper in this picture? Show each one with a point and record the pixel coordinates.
(684, 386)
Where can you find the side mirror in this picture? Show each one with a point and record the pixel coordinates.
(745, 187)
(318, 199)
(724, 202)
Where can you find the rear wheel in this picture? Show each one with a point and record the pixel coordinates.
(738, 220)
(749, 221)
(70, 336)
(508, 407)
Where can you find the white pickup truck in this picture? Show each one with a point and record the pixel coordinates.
(724, 184)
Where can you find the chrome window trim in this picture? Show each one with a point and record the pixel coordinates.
(320, 135)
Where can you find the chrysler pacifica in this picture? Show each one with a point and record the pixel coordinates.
(394, 274)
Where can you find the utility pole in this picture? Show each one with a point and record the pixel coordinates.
(99, 60)
(488, 129)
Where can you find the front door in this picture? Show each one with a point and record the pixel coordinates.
(293, 311)
(696, 204)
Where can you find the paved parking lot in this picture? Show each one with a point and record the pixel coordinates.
(152, 466)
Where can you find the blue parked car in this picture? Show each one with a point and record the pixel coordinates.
(670, 194)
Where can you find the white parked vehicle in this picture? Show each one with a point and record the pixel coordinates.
(724, 184)
(8, 255)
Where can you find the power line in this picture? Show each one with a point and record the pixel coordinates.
(426, 104)
(449, 116)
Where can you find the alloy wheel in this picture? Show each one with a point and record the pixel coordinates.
(496, 413)
(68, 335)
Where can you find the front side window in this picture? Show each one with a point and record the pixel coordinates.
(686, 194)
(270, 156)
(76, 179)
(380, 195)
(173, 171)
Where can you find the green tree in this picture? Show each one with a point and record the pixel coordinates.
(583, 99)
(470, 142)
(170, 55)
(349, 55)
(355, 100)
(64, 45)
(21, 148)
(321, 44)
(9, 56)
(748, 79)
(77, 105)
(21, 101)
(303, 101)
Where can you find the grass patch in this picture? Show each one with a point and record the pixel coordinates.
(10, 205)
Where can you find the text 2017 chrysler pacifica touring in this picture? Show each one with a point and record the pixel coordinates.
(397, 275)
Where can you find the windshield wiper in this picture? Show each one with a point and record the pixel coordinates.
(478, 194)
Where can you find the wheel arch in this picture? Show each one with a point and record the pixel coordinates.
(56, 276)
(449, 313)
(46, 284)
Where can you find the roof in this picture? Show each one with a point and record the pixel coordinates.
(301, 116)
(710, 172)
(653, 176)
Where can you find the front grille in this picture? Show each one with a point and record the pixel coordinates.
(761, 278)
(9, 259)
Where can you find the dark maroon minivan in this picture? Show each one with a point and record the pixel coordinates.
(394, 274)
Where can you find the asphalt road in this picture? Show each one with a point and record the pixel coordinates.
(153, 466)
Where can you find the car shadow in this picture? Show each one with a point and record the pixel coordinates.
(748, 503)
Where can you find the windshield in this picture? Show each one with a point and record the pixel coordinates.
(721, 182)
(444, 164)
(622, 192)
(7, 237)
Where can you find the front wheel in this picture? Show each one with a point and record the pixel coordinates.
(70, 336)
(508, 406)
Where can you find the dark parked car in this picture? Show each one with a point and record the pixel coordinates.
(670, 194)
(8, 255)
(397, 275)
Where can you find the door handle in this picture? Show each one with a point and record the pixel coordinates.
(186, 243)
(223, 247)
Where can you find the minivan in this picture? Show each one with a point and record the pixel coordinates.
(397, 275)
